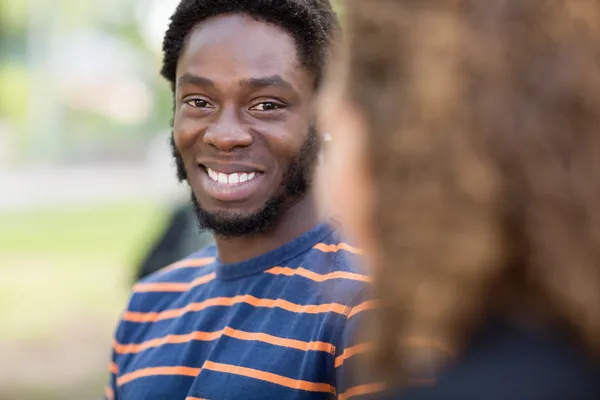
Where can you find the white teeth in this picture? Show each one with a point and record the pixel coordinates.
(230, 179)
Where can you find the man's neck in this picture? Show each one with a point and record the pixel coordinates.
(295, 221)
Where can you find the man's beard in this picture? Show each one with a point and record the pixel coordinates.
(296, 182)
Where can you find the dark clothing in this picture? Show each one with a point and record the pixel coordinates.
(509, 363)
(179, 239)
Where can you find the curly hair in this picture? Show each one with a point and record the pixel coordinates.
(484, 149)
(312, 24)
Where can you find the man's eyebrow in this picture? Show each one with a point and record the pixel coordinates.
(268, 81)
(194, 80)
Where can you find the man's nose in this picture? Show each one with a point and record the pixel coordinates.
(228, 132)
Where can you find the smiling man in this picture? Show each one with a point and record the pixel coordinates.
(266, 313)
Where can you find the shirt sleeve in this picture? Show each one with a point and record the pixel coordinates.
(353, 380)
(110, 391)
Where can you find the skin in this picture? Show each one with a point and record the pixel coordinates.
(243, 104)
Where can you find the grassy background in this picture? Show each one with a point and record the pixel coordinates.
(64, 279)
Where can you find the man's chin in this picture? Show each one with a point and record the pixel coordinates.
(226, 215)
(237, 223)
(232, 225)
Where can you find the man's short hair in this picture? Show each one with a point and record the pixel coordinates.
(311, 23)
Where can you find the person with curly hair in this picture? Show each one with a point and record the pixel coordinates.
(466, 162)
(264, 314)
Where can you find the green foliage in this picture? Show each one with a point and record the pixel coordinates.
(13, 93)
(113, 230)
(13, 17)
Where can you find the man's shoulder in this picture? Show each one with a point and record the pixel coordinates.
(164, 288)
(185, 269)
(337, 267)
(334, 253)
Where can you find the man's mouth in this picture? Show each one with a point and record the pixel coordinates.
(232, 178)
(230, 182)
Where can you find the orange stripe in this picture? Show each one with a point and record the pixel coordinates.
(410, 342)
(173, 286)
(113, 368)
(169, 339)
(229, 301)
(189, 263)
(234, 333)
(154, 371)
(287, 271)
(279, 341)
(362, 390)
(334, 248)
(184, 286)
(109, 393)
(194, 398)
(269, 377)
(367, 305)
(351, 351)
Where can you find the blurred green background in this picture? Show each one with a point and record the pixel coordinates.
(86, 183)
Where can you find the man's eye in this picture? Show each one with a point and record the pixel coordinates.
(199, 103)
(267, 106)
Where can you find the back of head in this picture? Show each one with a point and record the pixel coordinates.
(484, 146)
(312, 24)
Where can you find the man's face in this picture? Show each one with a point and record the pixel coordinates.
(242, 133)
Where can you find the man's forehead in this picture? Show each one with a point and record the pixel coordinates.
(239, 47)
(240, 36)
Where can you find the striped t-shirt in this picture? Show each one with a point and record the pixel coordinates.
(277, 326)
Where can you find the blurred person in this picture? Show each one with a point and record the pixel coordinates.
(265, 313)
(466, 162)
